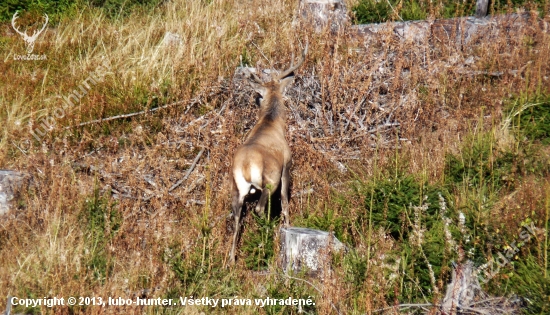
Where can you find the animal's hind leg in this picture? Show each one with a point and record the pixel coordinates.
(237, 205)
(285, 182)
(263, 200)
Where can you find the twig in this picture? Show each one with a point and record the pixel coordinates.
(304, 192)
(118, 194)
(188, 171)
(223, 107)
(261, 52)
(19, 148)
(194, 184)
(218, 114)
(387, 124)
(194, 201)
(395, 11)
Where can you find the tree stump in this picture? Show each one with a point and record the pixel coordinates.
(465, 295)
(11, 182)
(481, 8)
(307, 249)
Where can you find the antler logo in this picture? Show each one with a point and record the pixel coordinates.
(29, 40)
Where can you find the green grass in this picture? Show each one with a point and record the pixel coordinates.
(57, 10)
(531, 118)
(376, 11)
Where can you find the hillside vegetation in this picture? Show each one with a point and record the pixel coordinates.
(417, 156)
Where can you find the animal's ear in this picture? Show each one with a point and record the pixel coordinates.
(285, 82)
(259, 88)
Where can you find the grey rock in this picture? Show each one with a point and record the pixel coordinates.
(11, 183)
(172, 39)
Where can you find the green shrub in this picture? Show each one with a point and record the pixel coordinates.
(329, 220)
(484, 165)
(199, 272)
(259, 243)
(409, 209)
(122, 8)
(531, 282)
(355, 269)
(376, 11)
(54, 9)
(391, 200)
(371, 11)
(412, 11)
(479, 163)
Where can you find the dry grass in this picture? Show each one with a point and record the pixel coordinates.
(342, 99)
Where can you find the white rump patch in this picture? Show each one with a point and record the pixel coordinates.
(246, 187)
(255, 176)
(242, 185)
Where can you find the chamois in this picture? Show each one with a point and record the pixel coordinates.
(264, 159)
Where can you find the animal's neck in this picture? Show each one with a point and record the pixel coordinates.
(273, 110)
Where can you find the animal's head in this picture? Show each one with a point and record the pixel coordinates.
(276, 88)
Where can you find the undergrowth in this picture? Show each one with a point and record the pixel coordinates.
(373, 11)
(102, 223)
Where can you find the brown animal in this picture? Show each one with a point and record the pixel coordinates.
(263, 161)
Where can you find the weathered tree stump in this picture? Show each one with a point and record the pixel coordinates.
(465, 295)
(481, 8)
(307, 249)
(11, 182)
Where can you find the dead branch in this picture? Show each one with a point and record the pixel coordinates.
(124, 115)
(188, 171)
(194, 101)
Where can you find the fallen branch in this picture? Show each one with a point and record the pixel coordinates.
(194, 184)
(193, 102)
(188, 171)
(124, 116)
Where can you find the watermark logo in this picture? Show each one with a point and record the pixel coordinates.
(29, 40)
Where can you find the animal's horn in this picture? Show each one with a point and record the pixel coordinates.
(294, 67)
